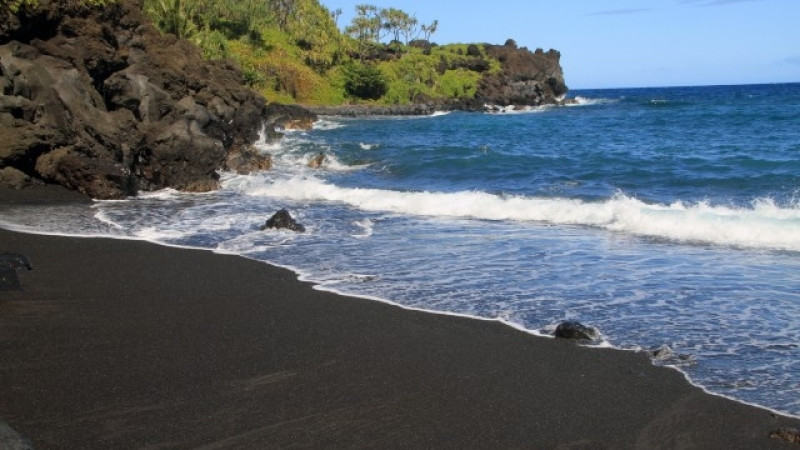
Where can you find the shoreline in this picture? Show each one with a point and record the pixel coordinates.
(423, 109)
(114, 343)
(302, 278)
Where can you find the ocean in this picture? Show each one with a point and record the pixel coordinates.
(667, 218)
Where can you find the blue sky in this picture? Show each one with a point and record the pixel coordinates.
(628, 43)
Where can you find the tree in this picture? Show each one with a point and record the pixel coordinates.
(398, 23)
(282, 11)
(365, 28)
(313, 29)
(428, 30)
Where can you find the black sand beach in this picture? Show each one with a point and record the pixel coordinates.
(122, 344)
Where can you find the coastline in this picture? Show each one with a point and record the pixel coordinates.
(421, 109)
(126, 344)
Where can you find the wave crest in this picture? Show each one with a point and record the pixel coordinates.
(764, 225)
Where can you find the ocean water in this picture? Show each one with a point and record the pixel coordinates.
(665, 217)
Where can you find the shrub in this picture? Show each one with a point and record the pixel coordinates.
(364, 81)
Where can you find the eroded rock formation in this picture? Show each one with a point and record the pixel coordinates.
(526, 78)
(95, 99)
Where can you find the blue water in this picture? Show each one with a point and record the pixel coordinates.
(663, 217)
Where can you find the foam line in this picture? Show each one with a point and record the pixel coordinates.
(763, 225)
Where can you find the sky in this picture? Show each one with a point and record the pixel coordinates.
(627, 43)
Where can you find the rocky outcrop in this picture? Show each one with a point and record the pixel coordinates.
(93, 98)
(576, 331)
(283, 220)
(290, 117)
(526, 78)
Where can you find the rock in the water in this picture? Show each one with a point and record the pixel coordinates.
(289, 117)
(317, 161)
(247, 160)
(791, 435)
(665, 355)
(576, 331)
(282, 219)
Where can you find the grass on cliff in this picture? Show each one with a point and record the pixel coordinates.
(303, 57)
(417, 76)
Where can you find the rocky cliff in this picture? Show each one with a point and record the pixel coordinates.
(526, 78)
(93, 98)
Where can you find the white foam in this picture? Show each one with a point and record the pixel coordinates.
(365, 146)
(515, 109)
(586, 101)
(327, 124)
(332, 163)
(366, 225)
(764, 225)
(163, 194)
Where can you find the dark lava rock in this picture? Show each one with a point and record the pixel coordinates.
(316, 162)
(526, 78)
(576, 331)
(282, 219)
(95, 99)
(10, 263)
(14, 261)
(289, 117)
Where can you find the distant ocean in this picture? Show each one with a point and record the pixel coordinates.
(665, 217)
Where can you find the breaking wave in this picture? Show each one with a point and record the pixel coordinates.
(762, 225)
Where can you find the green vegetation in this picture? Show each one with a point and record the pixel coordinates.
(292, 51)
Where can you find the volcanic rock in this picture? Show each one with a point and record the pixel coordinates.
(526, 78)
(95, 99)
(317, 161)
(576, 331)
(282, 219)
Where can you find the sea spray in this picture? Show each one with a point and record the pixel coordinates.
(763, 226)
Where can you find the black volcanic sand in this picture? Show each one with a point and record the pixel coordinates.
(122, 344)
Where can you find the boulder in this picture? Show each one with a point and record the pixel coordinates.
(16, 179)
(576, 331)
(317, 161)
(246, 160)
(10, 263)
(14, 261)
(282, 219)
(289, 117)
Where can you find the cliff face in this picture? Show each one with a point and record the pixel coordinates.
(526, 78)
(98, 101)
